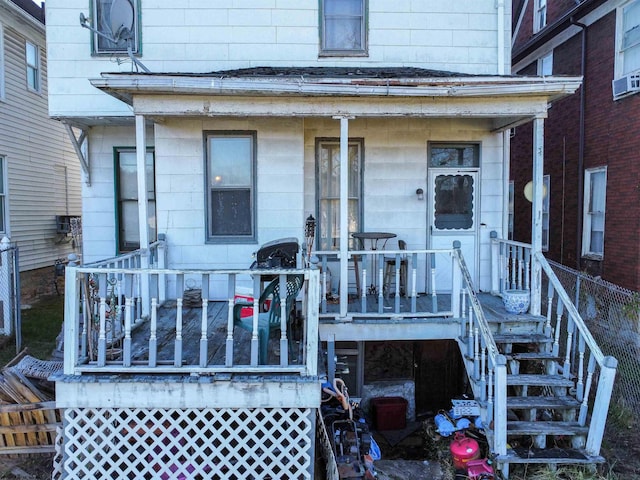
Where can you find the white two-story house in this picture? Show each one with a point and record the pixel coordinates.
(373, 134)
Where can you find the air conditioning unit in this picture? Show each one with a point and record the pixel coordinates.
(626, 84)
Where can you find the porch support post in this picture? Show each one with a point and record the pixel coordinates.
(143, 210)
(536, 214)
(344, 215)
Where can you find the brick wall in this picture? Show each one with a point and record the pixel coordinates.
(611, 140)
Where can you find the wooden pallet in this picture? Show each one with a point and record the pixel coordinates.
(28, 414)
(29, 427)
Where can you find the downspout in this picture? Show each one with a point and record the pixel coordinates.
(583, 65)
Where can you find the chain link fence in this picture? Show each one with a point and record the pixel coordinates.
(10, 292)
(612, 314)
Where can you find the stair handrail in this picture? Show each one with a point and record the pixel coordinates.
(494, 390)
(483, 324)
(608, 366)
(571, 309)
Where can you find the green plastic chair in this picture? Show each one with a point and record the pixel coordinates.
(269, 311)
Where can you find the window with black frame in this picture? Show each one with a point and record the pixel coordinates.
(127, 195)
(328, 190)
(231, 184)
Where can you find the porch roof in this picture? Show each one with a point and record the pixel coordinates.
(400, 91)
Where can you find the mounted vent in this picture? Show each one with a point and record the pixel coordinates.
(627, 84)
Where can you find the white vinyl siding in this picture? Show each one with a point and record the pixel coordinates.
(595, 196)
(36, 149)
(2, 73)
(3, 196)
(216, 36)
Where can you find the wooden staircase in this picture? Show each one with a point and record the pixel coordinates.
(543, 412)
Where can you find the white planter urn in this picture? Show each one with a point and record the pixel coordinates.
(516, 301)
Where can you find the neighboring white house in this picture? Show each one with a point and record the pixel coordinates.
(39, 170)
(243, 116)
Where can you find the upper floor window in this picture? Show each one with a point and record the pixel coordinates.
(343, 29)
(595, 195)
(629, 39)
(545, 65)
(231, 185)
(328, 192)
(3, 196)
(118, 23)
(540, 15)
(32, 53)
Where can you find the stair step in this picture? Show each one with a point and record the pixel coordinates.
(556, 456)
(511, 318)
(546, 428)
(539, 380)
(522, 403)
(526, 338)
(532, 356)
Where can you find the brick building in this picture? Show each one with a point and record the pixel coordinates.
(590, 145)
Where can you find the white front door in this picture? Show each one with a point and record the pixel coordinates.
(453, 215)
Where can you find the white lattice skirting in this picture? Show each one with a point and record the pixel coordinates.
(229, 444)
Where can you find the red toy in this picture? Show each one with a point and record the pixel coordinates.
(480, 470)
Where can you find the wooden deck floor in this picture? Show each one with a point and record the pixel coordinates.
(217, 329)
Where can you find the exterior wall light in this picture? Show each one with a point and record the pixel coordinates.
(420, 194)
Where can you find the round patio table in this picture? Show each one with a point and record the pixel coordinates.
(374, 239)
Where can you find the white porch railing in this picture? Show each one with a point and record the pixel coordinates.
(582, 360)
(106, 301)
(381, 289)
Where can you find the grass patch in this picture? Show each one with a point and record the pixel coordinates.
(41, 325)
(535, 472)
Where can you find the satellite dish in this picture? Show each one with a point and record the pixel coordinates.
(122, 18)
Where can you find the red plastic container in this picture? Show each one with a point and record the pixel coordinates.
(463, 450)
(389, 413)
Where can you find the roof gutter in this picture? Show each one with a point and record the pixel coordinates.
(125, 86)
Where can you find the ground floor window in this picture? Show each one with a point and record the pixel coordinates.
(546, 191)
(328, 191)
(127, 198)
(231, 185)
(595, 195)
